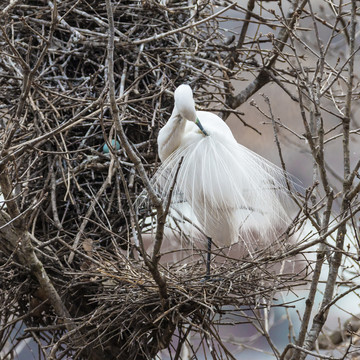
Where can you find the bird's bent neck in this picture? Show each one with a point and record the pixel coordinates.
(170, 136)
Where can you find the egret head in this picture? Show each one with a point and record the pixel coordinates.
(185, 104)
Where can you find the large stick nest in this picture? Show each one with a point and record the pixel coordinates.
(75, 198)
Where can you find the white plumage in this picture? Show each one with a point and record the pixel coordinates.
(235, 194)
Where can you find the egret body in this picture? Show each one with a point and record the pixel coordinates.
(235, 194)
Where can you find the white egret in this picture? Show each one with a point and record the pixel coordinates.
(235, 194)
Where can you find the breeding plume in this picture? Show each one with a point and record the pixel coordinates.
(234, 194)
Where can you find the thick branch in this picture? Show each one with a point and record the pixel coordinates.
(19, 239)
(152, 265)
(335, 263)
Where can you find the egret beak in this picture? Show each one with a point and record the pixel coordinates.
(198, 123)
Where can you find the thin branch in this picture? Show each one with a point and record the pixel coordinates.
(263, 78)
(183, 28)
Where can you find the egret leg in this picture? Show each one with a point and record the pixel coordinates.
(208, 258)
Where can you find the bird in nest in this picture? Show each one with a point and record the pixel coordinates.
(235, 195)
